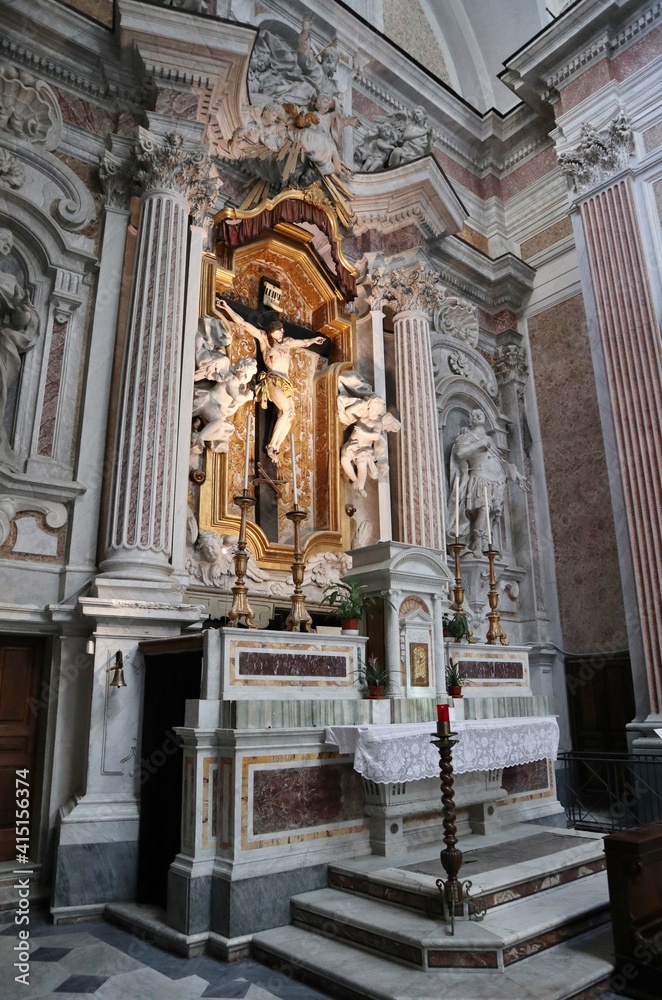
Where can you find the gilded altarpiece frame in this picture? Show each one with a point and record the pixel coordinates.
(310, 299)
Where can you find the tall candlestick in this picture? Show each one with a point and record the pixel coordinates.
(487, 515)
(295, 492)
(247, 456)
(457, 506)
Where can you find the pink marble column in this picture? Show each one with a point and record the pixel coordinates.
(420, 451)
(140, 519)
(630, 339)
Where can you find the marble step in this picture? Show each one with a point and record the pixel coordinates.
(572, 969)
(378, 879)
(511, 934)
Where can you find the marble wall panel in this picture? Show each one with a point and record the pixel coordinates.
(88, 116)
(294, 798)
(538, 166)
(637, 56)
(657, 189)
(546, 238)
(290, 664)
(492, 669)
(653, 138)
(590, 81)
(525, 777)
(100, 11)
(583, 537)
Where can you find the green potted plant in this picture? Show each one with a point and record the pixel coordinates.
(347, 601)
(457, 627)
(375, 676)
(455, 678)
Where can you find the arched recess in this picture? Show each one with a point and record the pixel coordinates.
(41, 214)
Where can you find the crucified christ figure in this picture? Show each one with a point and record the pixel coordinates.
(274, 384)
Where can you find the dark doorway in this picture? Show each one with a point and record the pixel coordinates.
(601, 701)
(170, 680)
(20, 669)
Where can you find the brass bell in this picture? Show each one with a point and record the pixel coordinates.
(117, 680)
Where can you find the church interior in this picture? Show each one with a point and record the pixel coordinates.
(330, 497)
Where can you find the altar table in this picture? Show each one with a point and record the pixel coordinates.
(401, 753)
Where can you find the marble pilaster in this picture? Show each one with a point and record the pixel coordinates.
(630, 346)
(174, 182)
(410, 294)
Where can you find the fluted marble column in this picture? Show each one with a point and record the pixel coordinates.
(420, 450)
(600, 172)
(174, 182)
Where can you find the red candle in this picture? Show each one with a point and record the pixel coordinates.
(443, 713)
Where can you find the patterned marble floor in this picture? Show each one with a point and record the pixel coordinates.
(97, 959)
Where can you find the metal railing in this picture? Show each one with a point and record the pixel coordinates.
(605, 792)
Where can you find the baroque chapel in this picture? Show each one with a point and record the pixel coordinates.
(303, 302)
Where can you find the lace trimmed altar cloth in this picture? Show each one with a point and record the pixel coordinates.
(385, 754)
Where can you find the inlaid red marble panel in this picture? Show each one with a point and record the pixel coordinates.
(493, 669)
(525, 777)
(293, 798)
(290, 664)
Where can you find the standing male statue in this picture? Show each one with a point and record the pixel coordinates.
(19, 331)
(480, 468)
(274, 385)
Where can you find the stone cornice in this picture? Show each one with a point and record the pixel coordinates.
(502, 283)
(417, 192)
(591, 30)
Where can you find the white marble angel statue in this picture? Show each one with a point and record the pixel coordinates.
(216, 403)
(365, 453)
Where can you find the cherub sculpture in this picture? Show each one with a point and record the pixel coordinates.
(216, 403)
(365, 453)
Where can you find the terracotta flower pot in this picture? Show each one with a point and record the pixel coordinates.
(376, 691)
(455, 691)
(350, 625)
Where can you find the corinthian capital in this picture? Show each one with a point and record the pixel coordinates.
(406, 289)
(165, 164)
(510, 363)
(599, 155)
(116, 181)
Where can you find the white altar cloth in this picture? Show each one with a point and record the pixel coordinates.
(395, 753)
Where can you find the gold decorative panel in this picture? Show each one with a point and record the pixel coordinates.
(419, 664)
(310, 299)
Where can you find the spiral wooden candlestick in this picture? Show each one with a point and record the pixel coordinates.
(240, 605)
(455, 893)
(451, 857)
(494, 632)
(298, 615)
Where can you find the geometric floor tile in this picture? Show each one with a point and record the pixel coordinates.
(49, 954)
(81, 984)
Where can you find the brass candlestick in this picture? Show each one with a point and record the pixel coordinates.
(455, 893)
(494, 631)
(298, 615)
(240, 605)
(458, 590)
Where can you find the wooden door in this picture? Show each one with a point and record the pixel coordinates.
(19, 679)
